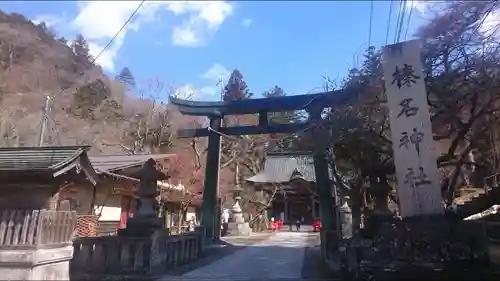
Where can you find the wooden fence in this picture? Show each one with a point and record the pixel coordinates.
(129, 255)
(34, 228)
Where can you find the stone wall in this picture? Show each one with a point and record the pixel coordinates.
(36, 264)
(95, 257)
(422, 245)
(36, 244)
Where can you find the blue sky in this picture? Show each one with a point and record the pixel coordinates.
(191, 44)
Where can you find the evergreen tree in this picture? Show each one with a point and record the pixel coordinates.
(45, 32)
(126, 78)
(81, 52)
(87, 98)
(236, 88)
(62, 40)
(279, 117)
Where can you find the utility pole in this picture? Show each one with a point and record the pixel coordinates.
(220, 84)
(43, 124)
(326, 80)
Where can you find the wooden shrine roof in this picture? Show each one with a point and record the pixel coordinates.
(56, 160)
(112, 163)
(285, 167)
(38, 158)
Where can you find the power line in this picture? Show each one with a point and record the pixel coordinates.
(371, 23)
(401, 16)
(388, 23)
(108, 45)
(127, 22)
(401, 24)
(409, 18)
(112, 41)
(398, 19)
(476, 29)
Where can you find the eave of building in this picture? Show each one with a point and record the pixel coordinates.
(115, 163)
(51, 160)
(279, 168)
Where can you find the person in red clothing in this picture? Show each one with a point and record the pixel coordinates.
(317, 225)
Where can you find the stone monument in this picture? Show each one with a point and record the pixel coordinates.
(237, 226)
(145, 220)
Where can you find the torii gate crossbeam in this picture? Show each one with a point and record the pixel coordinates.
(215, 111)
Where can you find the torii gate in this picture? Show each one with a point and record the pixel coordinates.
(215, 111)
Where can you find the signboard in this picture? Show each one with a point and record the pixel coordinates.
(418, 186)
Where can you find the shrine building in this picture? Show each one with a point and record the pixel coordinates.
(294, 176)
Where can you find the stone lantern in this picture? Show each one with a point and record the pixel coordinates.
(145, 221)
(236, 210)
(379, 189)
(238, 226)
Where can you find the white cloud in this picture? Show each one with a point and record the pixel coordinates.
(246, 22)
(210, 91)
(420, 6)
(204, 19)
(185, 36)
(106, 60)
(426, 8)
(49, 20)
(491, 24)
(489, 27)
(216, 73)
(190, 92)
(186, 91)
(99, 21)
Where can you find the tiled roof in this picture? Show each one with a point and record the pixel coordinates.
(110, 163)
(279, 168)
(39, 158)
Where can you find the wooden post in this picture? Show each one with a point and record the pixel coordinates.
(211, 184)
(217, 219)
(313, 207)
(287, 214)
(43, 124)
(322, 176)
(53, 201)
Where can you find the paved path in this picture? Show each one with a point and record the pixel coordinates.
(280, 256)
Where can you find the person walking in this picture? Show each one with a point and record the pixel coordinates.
(297, 225)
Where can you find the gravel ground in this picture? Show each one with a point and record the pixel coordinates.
(230, 246)
(313, 266)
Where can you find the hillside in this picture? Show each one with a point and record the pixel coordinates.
(88, 107)
(93, 109)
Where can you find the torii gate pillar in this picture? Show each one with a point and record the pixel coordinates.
(209, 220)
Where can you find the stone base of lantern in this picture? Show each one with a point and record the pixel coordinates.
(238, 227)
(141, 227)
(144, 223)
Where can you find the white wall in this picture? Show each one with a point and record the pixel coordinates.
(191, 213)
(109, 206)
(109, 213)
